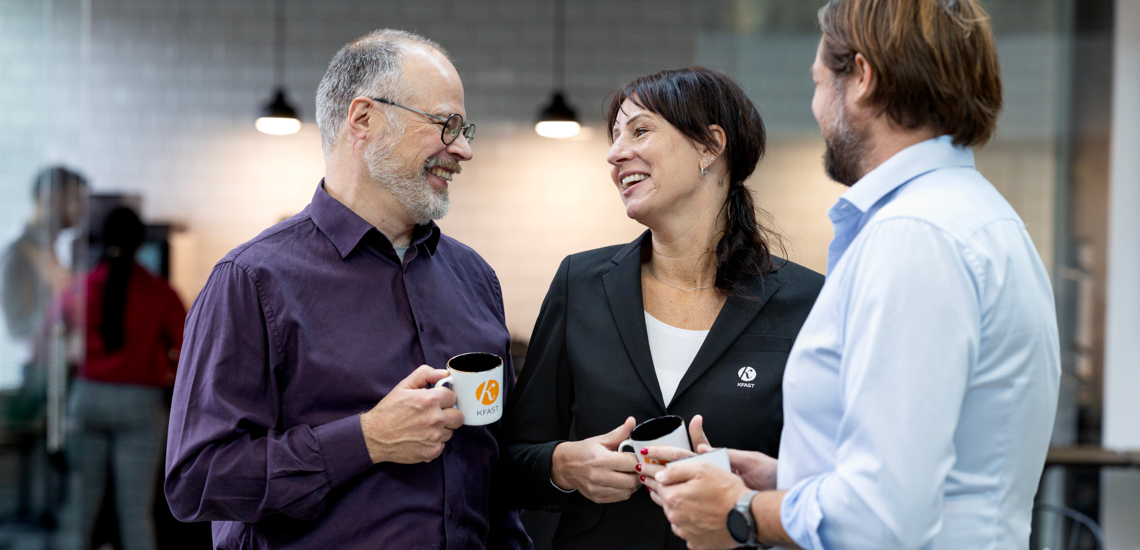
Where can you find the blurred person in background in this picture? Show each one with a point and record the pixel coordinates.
(338, 310)
(34, 269)
(919, 398)
(694, 318)
(133, 325)
(33, 274)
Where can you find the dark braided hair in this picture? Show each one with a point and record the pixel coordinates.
(122, 236)
(692, 99)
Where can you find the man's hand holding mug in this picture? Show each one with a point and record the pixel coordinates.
(413, 422)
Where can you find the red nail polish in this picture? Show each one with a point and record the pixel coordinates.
(645, 451)
(638, 467)
(648, 489)
(642, 478)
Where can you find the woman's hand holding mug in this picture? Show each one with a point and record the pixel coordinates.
(595, 468)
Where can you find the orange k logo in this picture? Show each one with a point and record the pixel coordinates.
(487, 395)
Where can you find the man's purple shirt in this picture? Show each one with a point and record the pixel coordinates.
(295, 334)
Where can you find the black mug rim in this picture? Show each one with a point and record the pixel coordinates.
(656, 427)
(497, 361)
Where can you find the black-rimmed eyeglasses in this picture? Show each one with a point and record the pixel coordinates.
(452, 125)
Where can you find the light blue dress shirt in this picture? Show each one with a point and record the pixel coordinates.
(920, 394)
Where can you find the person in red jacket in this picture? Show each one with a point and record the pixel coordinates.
(117, 414)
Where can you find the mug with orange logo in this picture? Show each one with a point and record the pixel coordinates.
(477, 380)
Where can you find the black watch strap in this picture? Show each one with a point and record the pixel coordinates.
(740, 523)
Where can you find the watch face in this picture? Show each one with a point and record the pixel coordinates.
(737, 526)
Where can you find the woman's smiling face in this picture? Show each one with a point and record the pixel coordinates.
(655, 167)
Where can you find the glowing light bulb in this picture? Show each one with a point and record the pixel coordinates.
(557, 128)
(278, 126)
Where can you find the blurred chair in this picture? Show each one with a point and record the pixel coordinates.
(1064, 526)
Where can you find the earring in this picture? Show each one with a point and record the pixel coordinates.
(703, 172)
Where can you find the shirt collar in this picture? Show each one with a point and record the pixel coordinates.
(346, 228)
(904, 166)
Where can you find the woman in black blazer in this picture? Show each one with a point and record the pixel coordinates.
(695, 317)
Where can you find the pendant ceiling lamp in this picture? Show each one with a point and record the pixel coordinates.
(278, 117)
(558, 120)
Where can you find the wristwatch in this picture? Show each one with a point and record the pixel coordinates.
(740, 523)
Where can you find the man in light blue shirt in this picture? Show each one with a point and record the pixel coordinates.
(920, 394)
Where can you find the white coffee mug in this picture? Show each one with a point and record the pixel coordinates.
(718, 458)
(666, 431)
(477, 380)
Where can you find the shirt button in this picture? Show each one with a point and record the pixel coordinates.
(448, 446)
(450, 514)
(421, 327)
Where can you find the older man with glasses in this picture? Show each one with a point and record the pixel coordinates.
(305, 414)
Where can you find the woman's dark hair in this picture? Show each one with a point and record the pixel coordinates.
(122, 236)
(692, 99)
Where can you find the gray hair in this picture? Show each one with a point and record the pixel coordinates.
(371, 66)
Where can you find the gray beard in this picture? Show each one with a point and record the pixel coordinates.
(846, 147)
(409, 185)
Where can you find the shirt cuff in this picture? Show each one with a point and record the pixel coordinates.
(343, 449)
(801, 514)
(555, 496)
(555, 485)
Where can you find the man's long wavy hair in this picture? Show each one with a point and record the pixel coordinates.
(934, 61)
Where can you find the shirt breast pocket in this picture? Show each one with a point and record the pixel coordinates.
(755, 342)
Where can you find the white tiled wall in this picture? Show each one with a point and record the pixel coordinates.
(165, 93)
(158, 97)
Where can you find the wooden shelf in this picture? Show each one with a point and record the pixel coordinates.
(1092, 456)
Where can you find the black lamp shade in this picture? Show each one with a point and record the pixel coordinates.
(279, 107)
(557, 120)
(278, 117)
(557, 111)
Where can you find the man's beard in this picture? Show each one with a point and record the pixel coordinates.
(409, 185)
(846, 145)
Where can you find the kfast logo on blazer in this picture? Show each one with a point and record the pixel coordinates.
(746, 375)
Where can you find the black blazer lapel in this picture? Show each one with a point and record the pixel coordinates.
(734, 317)
(623, 291)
